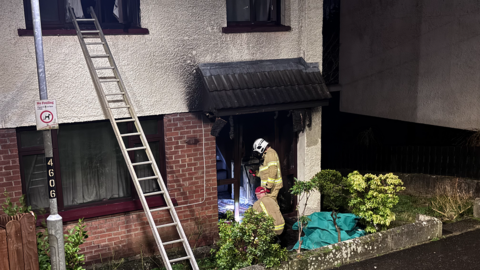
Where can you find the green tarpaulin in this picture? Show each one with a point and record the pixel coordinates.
(320, 230)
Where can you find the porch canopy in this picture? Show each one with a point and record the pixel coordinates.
(261, 86)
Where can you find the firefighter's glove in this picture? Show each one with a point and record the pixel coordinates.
(252, 172)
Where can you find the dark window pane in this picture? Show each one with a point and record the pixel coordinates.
(35, 172)
(31, 138)
(149, 127)
(91, 164)
(48, 11)
(263, 10)
(238, 10)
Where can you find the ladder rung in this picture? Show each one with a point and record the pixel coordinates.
(141, 163)
(107, 77)
(153, 193)
(94, 43)
(180, 259)
(167, 225)
(120, 107)
(114, 94)
(130, 134)
(109, 80)
(99, 56)
(173, 242)
(160, 209)
(85, 20)
(91, 36)
(125, 120)
(89, 31)
(136, 148)
(100, 68)
(147, 178)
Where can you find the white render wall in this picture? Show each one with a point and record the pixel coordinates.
(412, 60)
(309, 152)
(157, 68)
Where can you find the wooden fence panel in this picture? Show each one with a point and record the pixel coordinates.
(15, 249)
(29, 241)
(4, 265)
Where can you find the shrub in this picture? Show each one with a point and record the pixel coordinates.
(334, 189)
(373, 197)
(335, 193)
(75, 237)
(11, 209)
(450, 201)
(248, 243)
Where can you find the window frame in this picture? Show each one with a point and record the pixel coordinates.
(63, 24)
(100, 208)
(257, 26)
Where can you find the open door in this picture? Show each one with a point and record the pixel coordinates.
(234, 159)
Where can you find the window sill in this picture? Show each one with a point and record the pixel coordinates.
(92, 211)
(72, 32)
(257, 28)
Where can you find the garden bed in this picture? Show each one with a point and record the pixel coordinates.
(425, 229)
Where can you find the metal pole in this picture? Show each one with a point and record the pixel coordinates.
(54, 220)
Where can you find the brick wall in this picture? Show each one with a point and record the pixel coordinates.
(9, 166)
(125, 235)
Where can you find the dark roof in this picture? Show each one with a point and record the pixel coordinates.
(259, 83)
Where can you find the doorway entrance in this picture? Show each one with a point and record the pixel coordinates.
(236, 186)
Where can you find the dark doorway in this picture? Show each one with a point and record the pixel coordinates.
(234, 158)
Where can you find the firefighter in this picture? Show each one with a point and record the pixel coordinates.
(270, 208)
(269, 172)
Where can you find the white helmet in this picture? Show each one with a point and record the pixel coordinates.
(260, 145)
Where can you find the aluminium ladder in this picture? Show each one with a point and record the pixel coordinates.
(100, 79)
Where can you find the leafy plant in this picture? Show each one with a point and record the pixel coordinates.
(373, 197)
(335, 193)
(303, 190)
(75, 237)
(11, 208)
(248, 243)
(450, 201)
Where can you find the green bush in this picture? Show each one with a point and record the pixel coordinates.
(12, 209)
(247, 243)
(373, 197)
(75, 237)
(334, 189)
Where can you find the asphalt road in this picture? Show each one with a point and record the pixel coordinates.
(454, 252)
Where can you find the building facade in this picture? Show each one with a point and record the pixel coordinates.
(158, 49)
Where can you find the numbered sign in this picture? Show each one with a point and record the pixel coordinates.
(46, 114)
(52, 187)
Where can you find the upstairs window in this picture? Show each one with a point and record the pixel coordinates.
(112, 14)
(253, 12)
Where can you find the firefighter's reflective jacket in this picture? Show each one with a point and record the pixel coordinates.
(270, 173)
(271, 208)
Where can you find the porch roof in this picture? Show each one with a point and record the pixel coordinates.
(263, 85)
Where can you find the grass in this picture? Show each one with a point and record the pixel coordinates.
(408, 207)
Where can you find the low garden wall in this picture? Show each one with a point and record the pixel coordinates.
(423, 230)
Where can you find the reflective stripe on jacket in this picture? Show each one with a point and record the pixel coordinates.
(271, 208)
(269, 172)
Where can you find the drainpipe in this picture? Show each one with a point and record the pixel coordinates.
(54, 220)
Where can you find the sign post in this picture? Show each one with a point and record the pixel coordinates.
(46, 120)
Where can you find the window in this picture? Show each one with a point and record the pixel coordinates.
(54, 13)
(254, 16)
(89, 168)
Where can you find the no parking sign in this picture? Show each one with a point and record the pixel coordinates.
(46, 114)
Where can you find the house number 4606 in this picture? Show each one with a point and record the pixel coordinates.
(52, 192)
